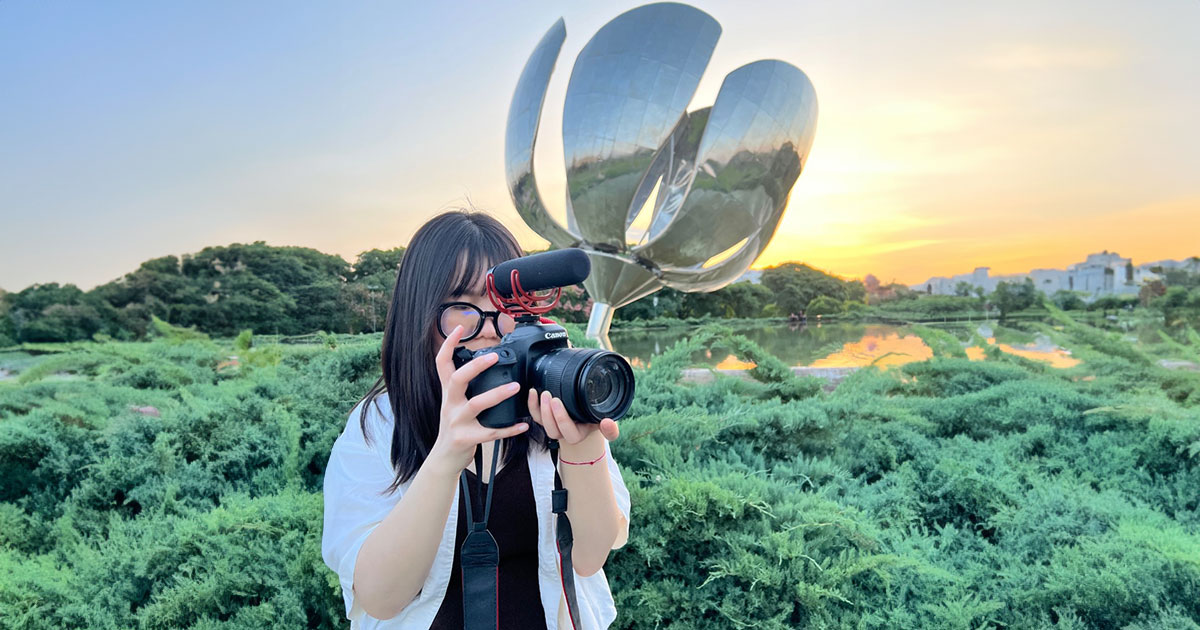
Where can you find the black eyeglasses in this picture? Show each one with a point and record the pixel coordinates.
(471, 318)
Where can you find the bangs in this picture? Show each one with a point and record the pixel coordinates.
(480, 252)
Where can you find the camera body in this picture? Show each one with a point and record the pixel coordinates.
(593, 384)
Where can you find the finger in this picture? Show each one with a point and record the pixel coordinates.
(462, 376)
(445, 365)
(534, 411)
(507, 432)
(492, 397)
(610, 429)
(548, 418)
(571, 431)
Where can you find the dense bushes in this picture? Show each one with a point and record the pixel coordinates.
(221, 290)
(159, 491)
(166, 485)
(948, 494)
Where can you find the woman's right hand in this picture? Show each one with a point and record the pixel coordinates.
(459, 431)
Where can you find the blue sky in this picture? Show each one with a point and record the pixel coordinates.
(1015, 135)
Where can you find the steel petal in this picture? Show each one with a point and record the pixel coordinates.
(521, 136)
(629, 88)
(754, 147)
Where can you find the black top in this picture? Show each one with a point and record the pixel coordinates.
(513, 522)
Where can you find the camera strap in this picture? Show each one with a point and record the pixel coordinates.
(480, 559)
(480, 556)
(564, 539)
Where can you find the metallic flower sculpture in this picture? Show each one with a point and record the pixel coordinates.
(715, 180)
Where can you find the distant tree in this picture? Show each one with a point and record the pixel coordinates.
(665, 302)
(705, 304)
(856, 291)
(1068, 300)
(823, 305)
(747, 299)
(1010, 297)
(871, 283)
(364, 298)
(1172, 302)
(1175, 297)
(157, 287)
(242, 301)
(51, 312)
(740, 299)
(900, 292)
(574, 305)
(377, 261)
(1182, 277)
(365, 305)
(8, 332)
(963, 288)
(1151, 291)
(878, 293)
(1105, 303)
(794, 285)
(286, 290)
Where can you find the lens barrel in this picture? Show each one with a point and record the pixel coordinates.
(593, 384)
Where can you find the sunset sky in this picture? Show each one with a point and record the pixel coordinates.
(952, 135)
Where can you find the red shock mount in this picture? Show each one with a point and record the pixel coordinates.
(522, 302)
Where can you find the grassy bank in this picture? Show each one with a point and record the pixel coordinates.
(175, 484)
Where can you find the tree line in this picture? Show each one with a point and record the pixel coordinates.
(220, 291)
(297, 290)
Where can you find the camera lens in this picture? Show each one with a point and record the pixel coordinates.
(603, 384)
(593, 384)
(598, 385)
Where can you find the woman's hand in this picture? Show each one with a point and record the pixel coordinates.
(459, 431)
(552, 415)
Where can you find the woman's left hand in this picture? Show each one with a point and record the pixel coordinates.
(552, 415)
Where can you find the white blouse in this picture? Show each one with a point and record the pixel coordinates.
(356, 474)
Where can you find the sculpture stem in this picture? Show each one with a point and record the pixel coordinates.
(598, 323)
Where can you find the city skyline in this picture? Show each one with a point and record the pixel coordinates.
(1100, 273)
(950, 137)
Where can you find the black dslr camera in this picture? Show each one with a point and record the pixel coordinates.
(593, 384)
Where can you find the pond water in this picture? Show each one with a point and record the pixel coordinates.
(13, 363)
(833, 345)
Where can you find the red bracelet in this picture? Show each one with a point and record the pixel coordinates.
(584, 463)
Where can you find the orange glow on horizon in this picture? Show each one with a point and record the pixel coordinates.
(1144, 234)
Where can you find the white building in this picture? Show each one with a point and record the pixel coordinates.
(1105, 273)
(1050, 280)
(1102, 274)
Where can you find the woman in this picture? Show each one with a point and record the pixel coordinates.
(394, 515)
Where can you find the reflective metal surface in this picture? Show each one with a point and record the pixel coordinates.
(523, 115)
(754, 146)
(630, 86)
(718, 178)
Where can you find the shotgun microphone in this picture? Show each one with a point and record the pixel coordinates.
(547, 270)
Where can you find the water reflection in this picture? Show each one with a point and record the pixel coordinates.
(1041, 350)
(731, 362)
(838, 345)
(878, 350)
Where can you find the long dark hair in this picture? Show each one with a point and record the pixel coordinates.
(446, 257)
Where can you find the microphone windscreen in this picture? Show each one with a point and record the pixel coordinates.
(547, 270)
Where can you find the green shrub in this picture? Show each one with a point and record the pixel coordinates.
(161, 485)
